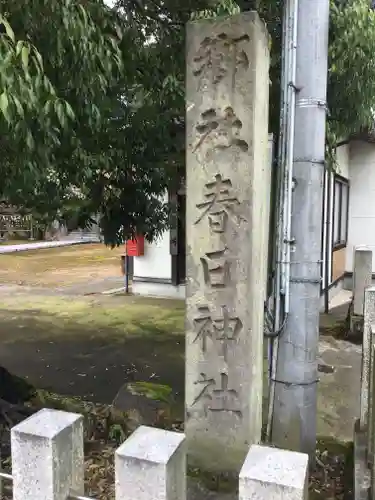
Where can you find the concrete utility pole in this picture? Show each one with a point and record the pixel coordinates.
(294, 415)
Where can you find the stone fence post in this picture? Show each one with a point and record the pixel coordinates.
(368, 321)
(271, 473)
(151, 465)
(48, 461)
(47, 456)
(371, 397)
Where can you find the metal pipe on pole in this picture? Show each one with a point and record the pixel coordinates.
(296, 377)
(284, 186)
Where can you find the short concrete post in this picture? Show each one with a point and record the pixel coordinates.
(368, 320)
(47, 456)
(151, 465)
(271, 473)
(362, 277)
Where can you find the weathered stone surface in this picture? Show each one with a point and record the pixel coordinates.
(151, 465)
(227, 233)
(362, 476)
(135, 395)
(368, 321)
(362, 277)
(47, 456)
(270, 473)
(371, 412)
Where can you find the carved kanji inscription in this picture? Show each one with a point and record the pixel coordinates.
(227, 329)
(203, 327)
(220, 56)
(216, 268)
(221, 128)
(223, 329)
(227, 85)
(219, 203)
(217, 397)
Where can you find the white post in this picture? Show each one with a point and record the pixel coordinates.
(271, 473)
(47, 456)
(368, 320)
(151, 465)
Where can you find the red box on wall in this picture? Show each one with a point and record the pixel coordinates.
(135, 247)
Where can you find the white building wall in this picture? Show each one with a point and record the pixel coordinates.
(153, 271)
(343, 160)
(361, 200)
(156, 262)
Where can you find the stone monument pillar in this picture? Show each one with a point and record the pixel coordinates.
(228, 185)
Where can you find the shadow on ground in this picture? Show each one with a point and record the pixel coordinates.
(90, 348)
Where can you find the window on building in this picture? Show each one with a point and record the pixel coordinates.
(341, 211)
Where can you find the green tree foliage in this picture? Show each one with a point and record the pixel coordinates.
(351, 73)
(92, 100)
(57, 61)
(351, 89)
(351, 64)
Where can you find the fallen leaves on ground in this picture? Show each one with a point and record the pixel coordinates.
(332, 476)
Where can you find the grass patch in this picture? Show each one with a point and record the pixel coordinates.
(27, 317)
